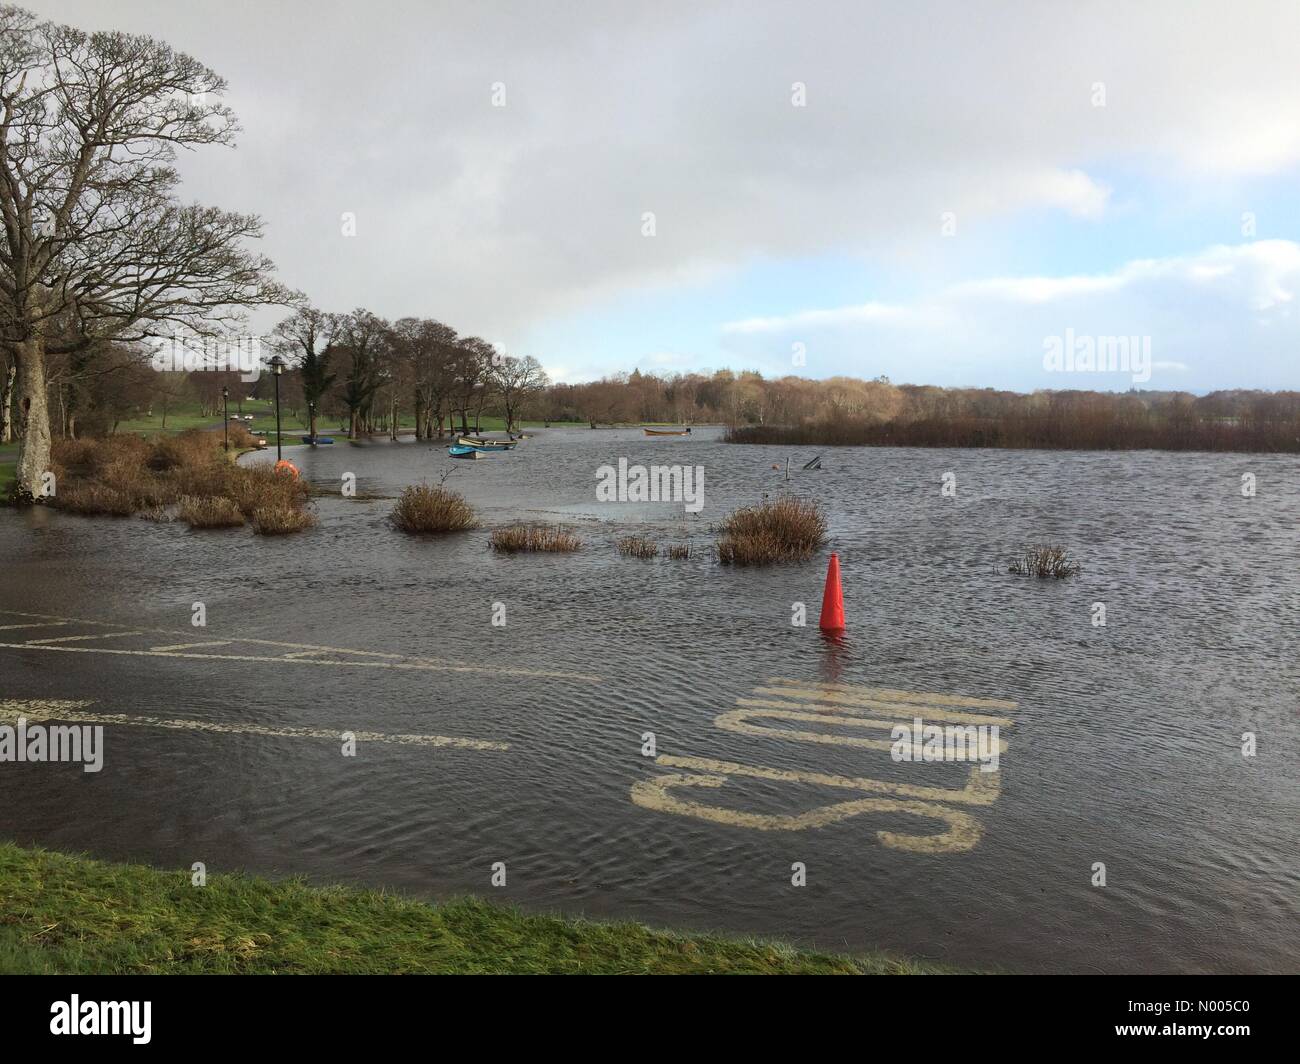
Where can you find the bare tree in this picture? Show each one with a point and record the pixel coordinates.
(89, 126)
(517, 381)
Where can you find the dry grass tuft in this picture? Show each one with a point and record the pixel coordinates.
(427, 510)
(679, 551)
(1045, 562)
(209, 511)
(786, 528)
(546, 538)
(280, 520)
(637, 547)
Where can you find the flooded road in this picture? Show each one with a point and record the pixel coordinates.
(526, 743)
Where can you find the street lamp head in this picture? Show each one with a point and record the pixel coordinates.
(225, 392)
(277, 365)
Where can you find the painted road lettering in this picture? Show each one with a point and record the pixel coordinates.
(842, 705)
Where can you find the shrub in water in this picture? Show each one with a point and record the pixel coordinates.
(1045, 562)
(786, 528)
(422, 509)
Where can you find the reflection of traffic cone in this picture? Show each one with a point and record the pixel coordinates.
(833, 599)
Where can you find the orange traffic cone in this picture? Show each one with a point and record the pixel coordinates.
(833, 599)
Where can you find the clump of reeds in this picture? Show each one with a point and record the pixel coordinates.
(637, 547)
(425, 509)
(209, 511)
(679, 551)
(122, 475)
(786, 528)
(280, 519)
(259, 487)
(546, 538)
(1050, 561)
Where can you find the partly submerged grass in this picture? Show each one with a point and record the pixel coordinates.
(125, 474)
(62, 914)
(637, 547)
(786, 528)
(423, 509)
(1045, 562)
(554, 539)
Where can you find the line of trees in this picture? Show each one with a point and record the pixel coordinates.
(846, 410)
(378, 374)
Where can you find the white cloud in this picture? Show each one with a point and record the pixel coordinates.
(498, 218)
(1219, 318)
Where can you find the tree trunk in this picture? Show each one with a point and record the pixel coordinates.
(6, 404)
(33, 420)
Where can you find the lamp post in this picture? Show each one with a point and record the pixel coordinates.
(277, 367)
(225, 418)
(311, 421)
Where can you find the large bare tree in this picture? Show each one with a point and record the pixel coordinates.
(518, 381)
(94, 235)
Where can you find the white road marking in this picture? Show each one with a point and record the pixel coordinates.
(79, 638)
(36, 624)
(381, 659)
(72, 713)
(190, 646)
(836, 705)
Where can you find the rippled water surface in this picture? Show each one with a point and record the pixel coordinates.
(1125, 746)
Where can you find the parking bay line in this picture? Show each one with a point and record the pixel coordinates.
(398, 661)
(73, 713)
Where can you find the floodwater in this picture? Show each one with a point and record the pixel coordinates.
(1123, 747)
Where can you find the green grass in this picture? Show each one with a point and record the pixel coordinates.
(62, 914)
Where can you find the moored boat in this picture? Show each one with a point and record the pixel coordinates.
(457, 450)
(666, 432)
(484, 444)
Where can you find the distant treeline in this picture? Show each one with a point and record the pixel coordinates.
(1243, 421)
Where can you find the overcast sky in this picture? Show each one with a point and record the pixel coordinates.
(963, 180)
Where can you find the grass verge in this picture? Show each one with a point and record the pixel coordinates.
(62, 914)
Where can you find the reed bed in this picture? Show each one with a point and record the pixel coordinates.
(786, 528)
(123, 475)
(679, 551)
(637, 547)
(1049, 562)
(425, 510)
(549, 539)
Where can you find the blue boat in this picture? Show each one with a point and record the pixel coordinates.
(457, 450)
(313, 440)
